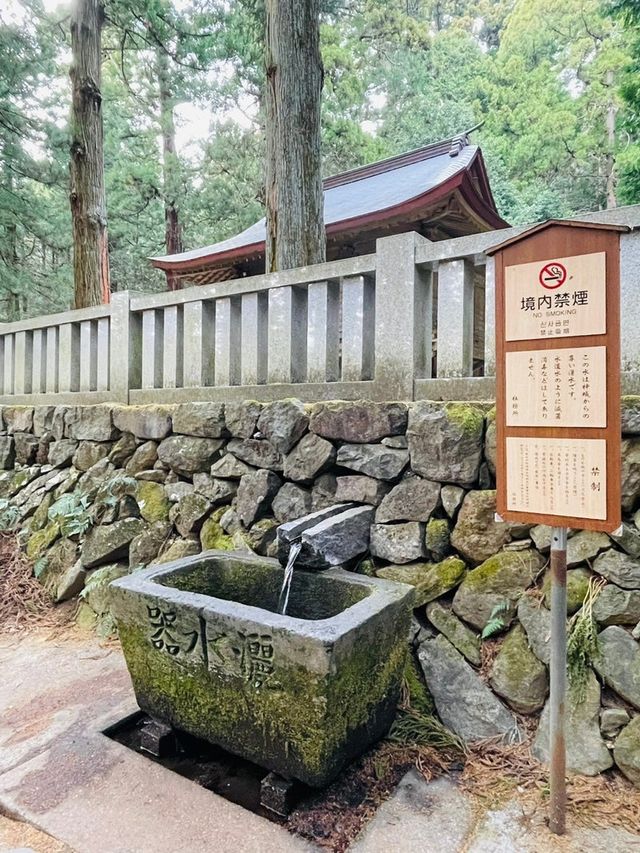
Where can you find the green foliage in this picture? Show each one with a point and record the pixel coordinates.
(40, 567)
(582, 642)
(73, 512)
(113, 490)
(496, 621)
(554, 81)
(9, 515)
(77, 512)
(421, 730)
(96, 581)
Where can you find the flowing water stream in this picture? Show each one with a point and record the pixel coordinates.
(283, 599)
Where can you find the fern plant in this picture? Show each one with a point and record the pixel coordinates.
(40, 566)
(73, 513)
(9, 515)
(496, 621)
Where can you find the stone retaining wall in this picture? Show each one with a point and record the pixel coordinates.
(99, 491)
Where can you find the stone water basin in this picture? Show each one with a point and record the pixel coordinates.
(300, 694)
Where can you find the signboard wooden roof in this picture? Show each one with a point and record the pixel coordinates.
(558, 375)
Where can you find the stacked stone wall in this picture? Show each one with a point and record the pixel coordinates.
(97, 492)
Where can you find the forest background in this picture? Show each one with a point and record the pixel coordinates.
(553, 84)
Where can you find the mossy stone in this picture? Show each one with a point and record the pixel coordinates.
(499, 581)
(445, 441)
(38, 542)
(212, 536)
(626, 751)
(19, 481)
(366, 567)
(431, 580)
(40, 517)
(59, 558)
(477, 536)
(577, 588)
(458, 634)
(153, 501)
(85, 617)
(262, 535)
(96, 592)
(437, 538)
(630, 414)
(518, 676)
(420, 699)
(468, 417)
(178, 549)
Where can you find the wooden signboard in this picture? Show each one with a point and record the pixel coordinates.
(558, 376)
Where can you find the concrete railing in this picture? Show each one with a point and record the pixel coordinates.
(414, 320)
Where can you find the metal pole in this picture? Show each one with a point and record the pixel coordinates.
(558, 692)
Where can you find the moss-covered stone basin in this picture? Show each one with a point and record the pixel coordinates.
(300, 694)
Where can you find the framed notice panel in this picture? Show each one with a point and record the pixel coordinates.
(558, 376)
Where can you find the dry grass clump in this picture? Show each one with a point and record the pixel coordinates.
(23, 600)
(495, 772)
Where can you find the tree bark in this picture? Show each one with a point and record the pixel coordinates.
(611, 141)
(10, 252)
(293, 175)
(87, 195)
(171, 172)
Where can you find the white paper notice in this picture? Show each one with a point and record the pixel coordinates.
(557, 476)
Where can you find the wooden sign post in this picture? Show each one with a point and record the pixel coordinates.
(558, 410)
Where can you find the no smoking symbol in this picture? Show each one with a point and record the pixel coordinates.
(553, 275)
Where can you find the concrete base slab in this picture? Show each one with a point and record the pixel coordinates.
(511, 830)
(419, 817)
(60, 773)
(89, 794)
(436, 817)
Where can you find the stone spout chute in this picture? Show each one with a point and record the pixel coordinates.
(330, 537)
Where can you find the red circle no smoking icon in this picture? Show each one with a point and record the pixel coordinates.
(553, 275)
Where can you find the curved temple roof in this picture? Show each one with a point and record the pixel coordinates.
(372, 195)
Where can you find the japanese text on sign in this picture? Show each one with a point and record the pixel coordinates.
(557, 387)
(561, 476)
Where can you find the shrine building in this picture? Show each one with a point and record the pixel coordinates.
(440, 190)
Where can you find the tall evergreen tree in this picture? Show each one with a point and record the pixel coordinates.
(88, 205)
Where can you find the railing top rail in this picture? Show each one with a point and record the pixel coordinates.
(362, 265)
(73, 316)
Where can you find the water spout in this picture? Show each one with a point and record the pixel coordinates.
(283, 599)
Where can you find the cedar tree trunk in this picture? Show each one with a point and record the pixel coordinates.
(88, 207)
(295, 221)
(171, 177)
(611, 140)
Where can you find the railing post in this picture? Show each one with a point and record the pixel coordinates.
(358, 329)
(199, 334)
(490, 317)
(125, 349)
(455, 318)
(403, 317)
(287, 350)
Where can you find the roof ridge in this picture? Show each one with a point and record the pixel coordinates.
(451, 146)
